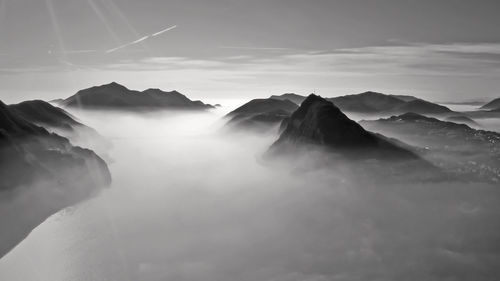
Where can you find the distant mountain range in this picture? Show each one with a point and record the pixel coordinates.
(42, 172)
(461, 119)
(459, 147)
(116, 96)
(260, 114)
(298, 99)
(378, 103)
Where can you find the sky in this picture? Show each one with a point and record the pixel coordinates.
(447, 50)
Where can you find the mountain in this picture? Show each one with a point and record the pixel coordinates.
(405, 98)
(378, 103)
(260, 114)
(41, 173)
(319, 122)
(45, 114)
(116, 96)
(59, 121)
(458, 147)
(298, 99)
(264, 105)
(422, 107)
(367, 102)
(461, 119)
(492, 105)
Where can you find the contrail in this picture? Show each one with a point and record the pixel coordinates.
(141, 39)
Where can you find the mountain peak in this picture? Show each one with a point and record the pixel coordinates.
(116, 96)
(318, 121)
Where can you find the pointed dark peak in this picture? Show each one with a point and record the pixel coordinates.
(318, 121)
(112, 85)
(314, 103)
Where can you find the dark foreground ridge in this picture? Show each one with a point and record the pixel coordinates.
(319, 122)
(61, 122)
(116, 96)
(41, 173)
(45, 114)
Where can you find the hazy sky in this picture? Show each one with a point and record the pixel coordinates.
(442, 50)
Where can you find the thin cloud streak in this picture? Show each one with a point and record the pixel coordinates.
(257, 48)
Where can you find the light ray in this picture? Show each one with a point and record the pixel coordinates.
(3, 15)
(56, 28)
(104, 21)
(111, 6)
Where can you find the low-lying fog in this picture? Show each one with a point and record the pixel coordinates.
(191, 203)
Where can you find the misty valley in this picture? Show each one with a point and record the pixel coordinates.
(118, 184)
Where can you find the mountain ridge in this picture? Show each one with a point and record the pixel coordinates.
(116, 96)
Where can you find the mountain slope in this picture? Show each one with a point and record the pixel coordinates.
(264, 105)
(492, 105)
(421, 107)
(461, 149)
(261, 115)
(116, 96)
(367, 102)
(41, 173)
(378, 103)
(45, 114)
(319, 122)
(298, 99)
(59, 121)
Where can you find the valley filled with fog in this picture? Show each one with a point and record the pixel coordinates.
(190, 201)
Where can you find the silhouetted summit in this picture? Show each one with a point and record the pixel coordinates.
(116, 96)
(318, 121)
